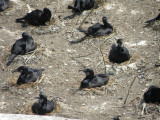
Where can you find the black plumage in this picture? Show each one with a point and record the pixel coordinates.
(152, 95)
(21, 47)
(43, 106)
(94, 80)
(118, 53)
(4, 4)
(81, 5)
(28, 74)
(36, 17)
(98, 29)
(154, 19)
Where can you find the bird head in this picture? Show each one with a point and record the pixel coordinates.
(42, 98)
(119, 42)
(104, 19)
(25, 35)
(47, 14)
(88, 72)
(20, 69)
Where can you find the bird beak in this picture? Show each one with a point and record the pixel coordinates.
(14, 71)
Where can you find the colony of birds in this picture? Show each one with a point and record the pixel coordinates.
(25, 45)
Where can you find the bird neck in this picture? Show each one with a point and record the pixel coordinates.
(105, 23)
(90, 76)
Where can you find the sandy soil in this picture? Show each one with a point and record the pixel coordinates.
(62, 61)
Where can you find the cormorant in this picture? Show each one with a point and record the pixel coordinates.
(118, 53)
(28, 74)
(21, 47)
(36, 17)
(94, 80)
(151, 96)
(4, 4)
(81, 5)
(98, 29)
(43, 106)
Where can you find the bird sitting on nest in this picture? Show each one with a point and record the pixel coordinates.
(81, 5)
(43, 106)
(36, 17)
(4, 4)
(151, 96)
(28, 75)
(21, 47)
(94, 80)
(96, 30)
(118, 53)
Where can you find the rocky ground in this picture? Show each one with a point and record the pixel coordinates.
(62, 61)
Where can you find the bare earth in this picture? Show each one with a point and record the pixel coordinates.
(62, 61)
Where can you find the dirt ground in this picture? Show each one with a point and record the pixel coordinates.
(62, 61)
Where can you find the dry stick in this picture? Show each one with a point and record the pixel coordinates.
(41, 78)
(87, 15)
(100, 49)
(129, 90)
(30, 56)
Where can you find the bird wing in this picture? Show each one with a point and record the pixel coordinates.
(19, 47)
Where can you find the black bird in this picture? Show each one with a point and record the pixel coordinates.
(118, 53)
(94, 80)
(28, 74)
(43, 106)
(154, 19)
(81, 5)
(36, 17)
(98, 29)
(4, 4)
(151, 96)
(21, 47)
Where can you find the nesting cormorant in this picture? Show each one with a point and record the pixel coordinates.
(4, 4)
(21, 47)
(36, 17)
(94, 80)
(151, 96)
(98, 29)
(81, 5)
(118, 53)
(154, 19)
(28, 74)
(43, 106)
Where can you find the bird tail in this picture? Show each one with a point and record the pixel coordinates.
(110, 73)
(11, 58)
(150, 21)
(19, 19)
(42, 69)
(70, 7)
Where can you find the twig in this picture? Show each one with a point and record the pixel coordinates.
(2, 66)
(100, 49)
(87, 15)
(129, 89)
(30, 56)
(41, 78)
(80, 56)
